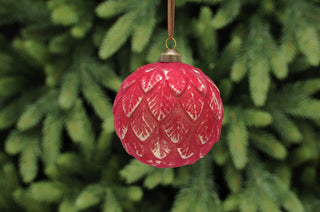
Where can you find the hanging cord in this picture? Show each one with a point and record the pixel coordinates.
(171, 7)
(170, 19)
(170, 54)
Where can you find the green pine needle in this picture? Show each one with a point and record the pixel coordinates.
(51, 137)
(135, 170)
(35, 112)
(227, 13)
(29, 159)
(237, 139)
(267, 143)
(46, 191)
(117, 35)
(111, 204)
(69, 90)
(259, 80)
(90, 196)
(142, 32)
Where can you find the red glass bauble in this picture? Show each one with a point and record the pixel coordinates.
(168, 114)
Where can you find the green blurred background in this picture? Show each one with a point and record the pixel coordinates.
(62, 63)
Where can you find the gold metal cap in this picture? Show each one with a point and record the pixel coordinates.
(170, 55)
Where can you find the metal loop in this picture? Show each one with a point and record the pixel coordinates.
(174, 40)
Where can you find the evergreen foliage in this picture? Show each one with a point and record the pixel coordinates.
(62, 62)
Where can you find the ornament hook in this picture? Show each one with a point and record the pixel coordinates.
(174, 40)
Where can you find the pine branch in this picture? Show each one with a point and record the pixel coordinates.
(301, 155)
(239, 69)
(65, 15)
(309, 108)
(59, 44)
(79, 128)
(70, 162)
(28, 163)
(112, 8)
(264, 196)
(8, 182)
(111, 204)
(24, 200)
(95, 96)
(257, 118)
(117, 35)
(279, 64)
(69, 89)
(308, 87)
(288, 45)
(237, 139)
(184, 200)
(267, 143)
(284, 174)
(46, 191)
(309, 43)
(259, 80)
(248, 199)
(134, 193)
(15, 142)
(226, 13)
(67, 205)
(206, 36)
(258, 49)
(103, 74)
(142, 31)
(231, 203)
(159, 176)
(286, 197)
(12, 111)
(134, 171)
(35, 112)
(80, 29)
(285, 127)
(199, 195)
(51, 138)
(233, 178)
(89, 196)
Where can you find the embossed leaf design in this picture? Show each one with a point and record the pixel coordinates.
(206, 127)
(120, 124)
(131, 99)
(160, 147)
(176, 81)
(197, 81)
(150, 79)
(176, 127)
(143, 125)
(193, 103)
(214, 102)
(160, 102)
